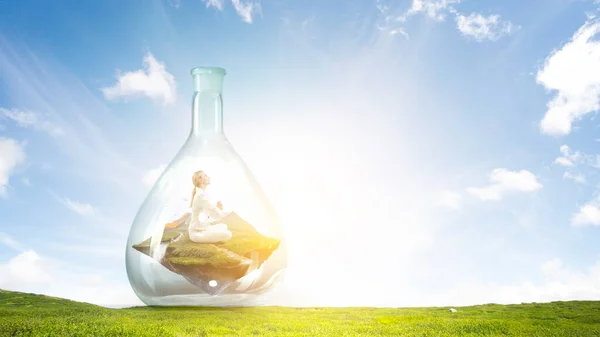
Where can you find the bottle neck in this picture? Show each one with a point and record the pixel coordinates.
(207, 105)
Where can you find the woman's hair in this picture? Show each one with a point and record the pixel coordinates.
(196, 180)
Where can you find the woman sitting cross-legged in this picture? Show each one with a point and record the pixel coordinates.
(205, 213)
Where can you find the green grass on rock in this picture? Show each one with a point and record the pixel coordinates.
(224, 262)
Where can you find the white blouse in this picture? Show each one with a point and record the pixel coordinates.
(204, 210)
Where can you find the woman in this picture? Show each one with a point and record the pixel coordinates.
(205, 213)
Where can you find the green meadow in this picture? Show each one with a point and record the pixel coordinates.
(24, 314)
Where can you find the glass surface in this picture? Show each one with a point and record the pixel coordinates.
(206, 234)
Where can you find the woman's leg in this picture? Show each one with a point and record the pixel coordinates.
(210, 234)
(178, 222)
(219, 226)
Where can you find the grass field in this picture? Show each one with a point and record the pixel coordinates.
(36, 315)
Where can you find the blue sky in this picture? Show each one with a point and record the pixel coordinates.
(430, 152)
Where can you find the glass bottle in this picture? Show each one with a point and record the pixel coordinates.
(206, 234)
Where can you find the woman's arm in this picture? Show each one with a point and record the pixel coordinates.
(212, 210)
(216, 212)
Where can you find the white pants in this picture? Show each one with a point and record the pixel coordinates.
(210, 234)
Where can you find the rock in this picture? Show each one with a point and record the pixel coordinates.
(214, 266)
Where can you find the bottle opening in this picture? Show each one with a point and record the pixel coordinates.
(208, 79)
(207, 71)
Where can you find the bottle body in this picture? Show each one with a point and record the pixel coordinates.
(206, 234)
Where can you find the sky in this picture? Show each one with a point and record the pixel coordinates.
(418, 152)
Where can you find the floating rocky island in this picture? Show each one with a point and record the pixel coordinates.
(213, 266)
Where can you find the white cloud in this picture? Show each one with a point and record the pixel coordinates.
(594, 161)
(11, 155)
(435, 9)
(579, 178)
(570, 283)
(80, 208)
(218, 4)
(388, 19)
(563, 161)
(474, 25)
(551, 267)
(573, 72)
(25, 270)
(572, 159)
(28, 119)
(149, 178)
(560, 284)
(245, 9)
(153, 81)
(30, 272)
(568, 158)
(503, 181)
(566, 151)
(482, 27)
(450, 199)
(394, 31)
(8, 241)
(588, 215)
